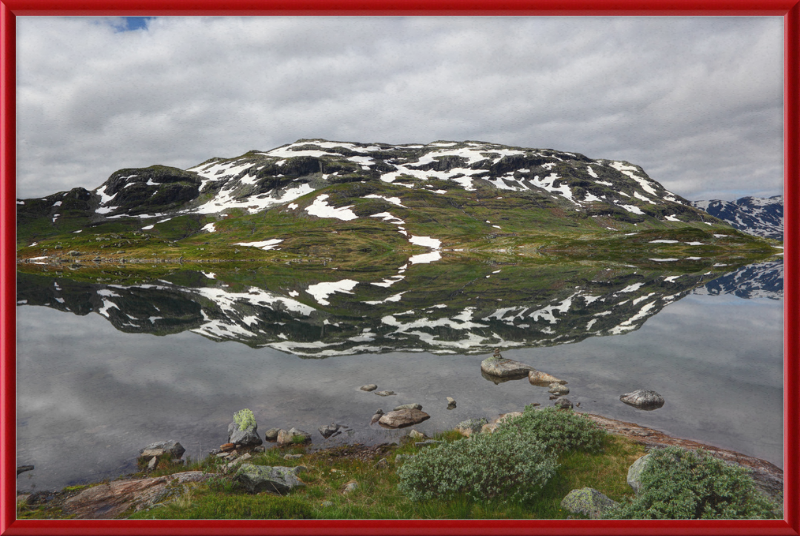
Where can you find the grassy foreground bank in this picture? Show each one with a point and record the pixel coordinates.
(410, 480)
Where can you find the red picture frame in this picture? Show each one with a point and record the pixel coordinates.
(9, 9)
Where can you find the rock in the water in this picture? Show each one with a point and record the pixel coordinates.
(171, 448)
(505, 368)
(643, 399)
(272, 434)
(635, 473)
(408, 406)
(23, 468)
(542, 379)
(470, 426)
(329, 430)
(246, 438)
(416, 435)
(588, 502)
(293, 437)
(384, 393)
(376, 417)
(403, 417)
(558, 389)
(451, 403)
(563, 403)
(258, 478)
(370, 387)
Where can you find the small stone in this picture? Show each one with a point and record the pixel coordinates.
(563, 403)
(408, 406)
(553, 397)
(535, 404)
(227, 447)
(293, 437)
(451, 403)
(369, 387)
(376, 417)
(173, 448)
(329, 430)
(558, 389)
(326, 504)
(350, 487)
(153, 463)
(258, 478)
(416, 435)
(223, 455)
(271, 435)
(259, 448)
(292, 456)
(382, 464)
(385, 393)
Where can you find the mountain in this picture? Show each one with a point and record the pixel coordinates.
(758, 216)
(366, 207)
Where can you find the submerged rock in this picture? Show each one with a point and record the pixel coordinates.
(542, 379)
(558, 389)
(643, 399)
(369, 387)
(408, 406)
(451, 403)
(588, 502)
(403, 417)
(498, 366)
(23, 468)
(329, 430)
(384, 393)
(258, 478)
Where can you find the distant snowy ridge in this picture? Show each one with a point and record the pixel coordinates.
(758, 216)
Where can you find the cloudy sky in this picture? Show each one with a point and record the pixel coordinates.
(697, 102)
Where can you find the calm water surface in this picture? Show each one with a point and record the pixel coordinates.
(90, 396)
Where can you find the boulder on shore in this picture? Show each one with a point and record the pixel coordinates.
(258, 478)
(245, 438)
(471, 426)
(293, 437)
(558, 389)
(170, 448)
(563, 403)
(403, 418)
(588, 502)
(643, 399)
(635, 473)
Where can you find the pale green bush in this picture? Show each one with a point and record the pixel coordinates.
(558, 430)
(683, 484)
(244, 419)
(483, 467)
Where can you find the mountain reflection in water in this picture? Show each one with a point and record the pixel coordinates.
(91, 395)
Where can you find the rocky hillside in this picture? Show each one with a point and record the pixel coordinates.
(754, 215)
(606, 190)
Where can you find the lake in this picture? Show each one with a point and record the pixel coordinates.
(103, 369)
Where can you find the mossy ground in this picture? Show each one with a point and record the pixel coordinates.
(377, 495)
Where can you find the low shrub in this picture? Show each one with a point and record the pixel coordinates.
(684, 484)
(245, 419)
(483, 467)
(558, 430)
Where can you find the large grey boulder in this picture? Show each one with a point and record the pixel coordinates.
(403, 418)
(500, 367)
(643, 399)
(258, 478)
(246, 438)
(635, 473)
(588, 502)
(170, 448)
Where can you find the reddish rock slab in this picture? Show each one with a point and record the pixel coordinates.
(108, 501)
